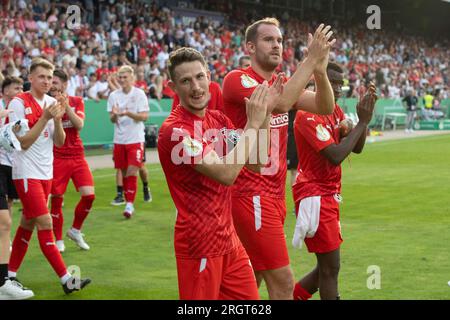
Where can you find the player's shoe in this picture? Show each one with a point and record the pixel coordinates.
(129, 210)
(118, 200)
(14, 290)
(77, 237)
(60, 245)
(75, 284)
(147, 195)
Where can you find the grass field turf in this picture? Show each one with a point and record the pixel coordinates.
(395, 214)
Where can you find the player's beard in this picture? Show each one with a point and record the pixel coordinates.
(267, 62)
(203, 105)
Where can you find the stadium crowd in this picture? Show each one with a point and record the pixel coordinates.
(142, 35)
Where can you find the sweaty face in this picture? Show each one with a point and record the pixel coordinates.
(57, 87)
(268, 47)
(126, 80)
(41, 79)
(191, 83)
(337, 81)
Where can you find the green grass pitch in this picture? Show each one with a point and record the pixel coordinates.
(395, 215)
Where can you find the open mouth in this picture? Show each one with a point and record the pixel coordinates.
(197, 97)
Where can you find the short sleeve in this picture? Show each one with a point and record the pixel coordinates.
(79, 108)
(314, 130)
(142, 104)
(18, 110)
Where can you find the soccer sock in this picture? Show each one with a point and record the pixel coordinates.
(57, 217)
(3, 273)
(300, 293)
(51, 252)
(19, 248)
(130, 184)
(82, 210)
(145, 185)
(120, 190)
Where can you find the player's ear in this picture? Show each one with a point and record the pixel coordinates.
(251, 47)
(208, 75)
(172, 86)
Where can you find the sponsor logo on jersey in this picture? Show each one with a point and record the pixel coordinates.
(280, 120)
(248, 82)
(192, 147)
(322, 133)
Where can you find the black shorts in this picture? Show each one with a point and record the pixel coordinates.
(292, 158)
(6, 183)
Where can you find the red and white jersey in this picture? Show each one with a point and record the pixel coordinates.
(237, 85)
(204, 224)
(215, 101)
(6, 158)
(127, 130)
(37, 161)
(317, 176)
(73, 145)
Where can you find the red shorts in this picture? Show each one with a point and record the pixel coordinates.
(328, 236)
(125, 155)
(33, 194)
(259, 223)
(228, 277)
(76, 169)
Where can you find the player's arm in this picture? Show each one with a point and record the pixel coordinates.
(17, 112)
(336, 153)
(225, 170)
(59, 136)
(137, 116)
(315, 63)
(76, 120)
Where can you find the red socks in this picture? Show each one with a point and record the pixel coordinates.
(19, 248)
(82, 210)
(129, 188)
(49, 249)
(300, 293)
(57, 216)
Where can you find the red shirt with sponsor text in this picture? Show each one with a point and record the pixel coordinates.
(317, 176)
(237, 85)
(73, 145)
(204, 225)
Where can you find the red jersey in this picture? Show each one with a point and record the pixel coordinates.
(215, 102)
(204, 224)
(313, 133)
(237, 85)
(73, 145)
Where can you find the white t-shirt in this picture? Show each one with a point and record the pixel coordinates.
(37, 161)
(6, 158)
(127, 130)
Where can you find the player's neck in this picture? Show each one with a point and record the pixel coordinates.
(36, 94)
(127, 89)
(198, 113)
(266, 74)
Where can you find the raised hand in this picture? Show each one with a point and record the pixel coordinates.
(366, 106)
(257, 106)
(319, 47)
(274, 93)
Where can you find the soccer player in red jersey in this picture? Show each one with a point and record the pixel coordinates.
(9, 290)
(33, 170)
(322, 145)
(201, 155)
(69, 163)
(259, 207)
(215, 102)
(128, 109)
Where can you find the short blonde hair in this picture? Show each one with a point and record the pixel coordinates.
(41, 62)
(126, 68)
(252, 31)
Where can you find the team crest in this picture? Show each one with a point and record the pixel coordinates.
(322, 133)
(192, 147)
(248, 82)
